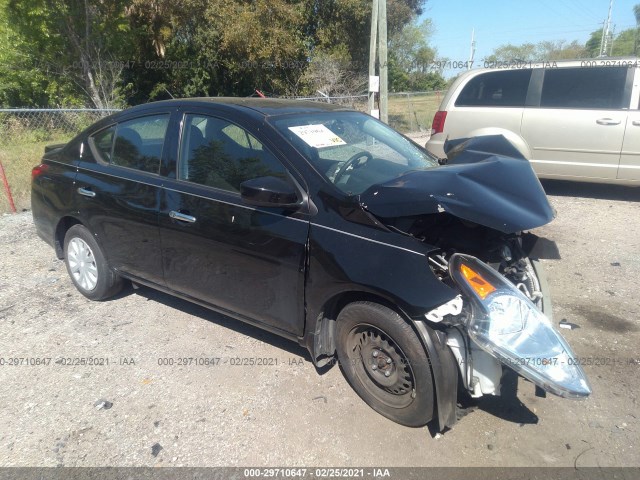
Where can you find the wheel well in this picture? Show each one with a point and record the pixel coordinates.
(325, 347)
(63, 227)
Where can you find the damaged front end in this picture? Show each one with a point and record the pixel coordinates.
(505, 323)
(493, 323)
(473, 210)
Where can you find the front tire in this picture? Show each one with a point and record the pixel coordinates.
(87, 267)
(385, 363)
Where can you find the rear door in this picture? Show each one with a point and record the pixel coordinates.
(578, 128)
(246, 261)
(630, 159)
(118, 190)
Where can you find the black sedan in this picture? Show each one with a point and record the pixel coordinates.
(325, 226)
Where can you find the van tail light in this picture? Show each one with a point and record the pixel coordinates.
(438, 122)
(39, 170)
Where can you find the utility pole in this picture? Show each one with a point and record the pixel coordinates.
(613, 36)
(384, 78)
(378, 50)
(372, 54)
(473, 49)
(606, 32)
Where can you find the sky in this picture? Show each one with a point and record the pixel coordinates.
(498, 22)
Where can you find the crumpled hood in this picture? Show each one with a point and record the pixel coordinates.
(478, 183)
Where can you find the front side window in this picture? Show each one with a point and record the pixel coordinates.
(220, 154)
(506, 88)
(597, 87)
(138, 143)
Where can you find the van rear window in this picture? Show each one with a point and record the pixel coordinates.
(597, 87)
(504, 88)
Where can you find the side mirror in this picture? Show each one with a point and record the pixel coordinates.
(269, 192)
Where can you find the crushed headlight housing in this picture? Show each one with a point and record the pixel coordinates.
(506, 324)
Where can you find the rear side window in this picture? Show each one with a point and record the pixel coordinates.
(505, 88)
(602, 87)
(134, 144)
(103, 143)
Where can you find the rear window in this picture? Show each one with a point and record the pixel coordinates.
(505, 88)
(602, 87)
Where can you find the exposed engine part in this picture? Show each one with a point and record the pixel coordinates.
(481, 372)
(506, 253)
(439, 262)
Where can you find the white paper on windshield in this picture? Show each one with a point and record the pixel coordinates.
(317, 136)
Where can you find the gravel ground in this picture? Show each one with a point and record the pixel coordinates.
(135, 412)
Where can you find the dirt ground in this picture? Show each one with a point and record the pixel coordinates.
(141, 411)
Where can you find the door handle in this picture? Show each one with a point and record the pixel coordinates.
(182, 217)
(607, 121)
(86, 192)
(636, 123)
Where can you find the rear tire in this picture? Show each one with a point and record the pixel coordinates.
(87, 267)
(386, 364)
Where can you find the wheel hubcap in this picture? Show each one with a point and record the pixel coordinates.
(382, 366)
(82, 264)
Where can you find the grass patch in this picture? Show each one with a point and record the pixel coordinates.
(18, 160)
(413, 113)
(408, 113)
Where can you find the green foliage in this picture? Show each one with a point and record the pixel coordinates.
(537, 52)
(67, 47)
(626, 43)
(412, 62)
(105, 54)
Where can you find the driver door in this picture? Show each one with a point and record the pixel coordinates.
(246, 261)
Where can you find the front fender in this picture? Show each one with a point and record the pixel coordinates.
(445, 373)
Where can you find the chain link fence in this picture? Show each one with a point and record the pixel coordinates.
(27, 125)
(409, 112)
(23, 136)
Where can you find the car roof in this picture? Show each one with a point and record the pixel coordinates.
(500, 66)
(263, 106)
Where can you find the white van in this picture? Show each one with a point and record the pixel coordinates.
(574, 120)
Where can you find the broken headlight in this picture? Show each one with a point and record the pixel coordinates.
(505, 323)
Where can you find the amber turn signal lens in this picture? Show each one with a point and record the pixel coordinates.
(475, 281)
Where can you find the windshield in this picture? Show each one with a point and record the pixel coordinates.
(352, 150)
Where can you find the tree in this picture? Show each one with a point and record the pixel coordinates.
(623, 44)
(333, 25)
(412, 62)
(537, 52)
(21, 81)
(76, 41)
(105, 53)
(330, 74)
(636, 42)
